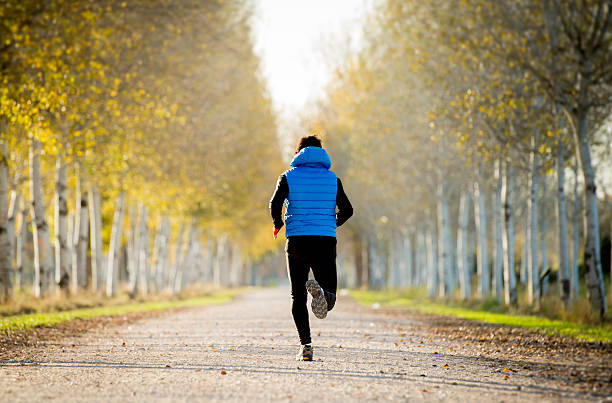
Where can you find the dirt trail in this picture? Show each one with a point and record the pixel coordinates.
(245, 350)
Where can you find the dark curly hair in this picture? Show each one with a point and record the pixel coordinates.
(308, 141)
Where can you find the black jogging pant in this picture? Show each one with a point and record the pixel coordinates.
(305, 252)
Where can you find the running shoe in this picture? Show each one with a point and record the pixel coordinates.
(319, 303)
(305, 353)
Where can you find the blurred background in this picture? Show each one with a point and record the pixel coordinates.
(142, 140)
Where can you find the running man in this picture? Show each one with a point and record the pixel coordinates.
(310, 193)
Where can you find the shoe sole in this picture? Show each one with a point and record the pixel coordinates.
(319, 304)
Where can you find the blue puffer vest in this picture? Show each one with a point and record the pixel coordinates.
(310, 208)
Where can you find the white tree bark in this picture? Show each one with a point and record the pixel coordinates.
(564, 274)
(40, 228)
(574, 277)
(482, 264)
(112, 268)
(20, 241)
(421, 257)
(409, 259)
(95, 235)
(592, 257)
(544, 283)
(13, 215)
(143, 252)
(465, 286)
(432, 260)
(533, 273)
(157, 254)
(178, 248)
(5, 243)
(498, 219)
(62, 257)
(235, 266)
(445, 269)
(133, 242)
(524, 274)
(165, 260)
(218, 265)
(508, 237)
(13, 212)
(70, 245)
(80, 274)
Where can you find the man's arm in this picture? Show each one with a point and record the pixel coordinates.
(278, 198)
(345, 210)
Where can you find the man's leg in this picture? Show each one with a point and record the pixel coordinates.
(324, 269)
(298, 274)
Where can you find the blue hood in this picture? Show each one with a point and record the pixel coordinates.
(314, 157)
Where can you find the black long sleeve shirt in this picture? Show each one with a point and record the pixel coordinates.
(345, 210)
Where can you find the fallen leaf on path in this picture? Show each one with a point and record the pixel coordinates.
(223, 373)
(198, 370)
(168, 366)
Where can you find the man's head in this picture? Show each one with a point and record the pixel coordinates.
(308, 141)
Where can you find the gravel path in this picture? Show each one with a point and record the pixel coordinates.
(244, 351)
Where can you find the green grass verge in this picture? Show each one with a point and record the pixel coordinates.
(26, 321)
(564, 328)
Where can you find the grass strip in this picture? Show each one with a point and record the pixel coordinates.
(576, 331)
(27, 321)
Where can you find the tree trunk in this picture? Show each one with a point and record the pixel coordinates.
(365, 253)
(508, 237)
(20, 241)
(574, 276)
(95, 235)
(80, 274)
(358, 250)
(142, 252)
(112, 268)
(592, 257)
(498, 261)
(14, 213)
(157, 254)
(480, 216)
(208, 270)
(432, 261)
(40, 228)
(62, 257)
(165, 255)
(5, 243)
(564, 275)
(408, 256)
(133, 241)
(178, 247)
(462, 245)
(544, 283)
(524, 274)
(445, 270)
(533, 273)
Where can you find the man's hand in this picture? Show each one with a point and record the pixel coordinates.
(275, 232)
